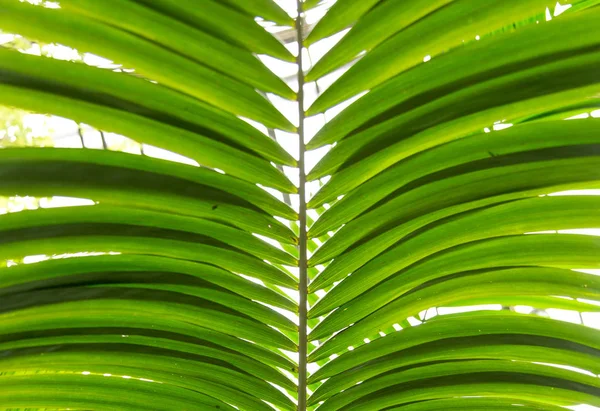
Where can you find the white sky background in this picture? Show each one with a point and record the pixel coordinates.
(66, 135)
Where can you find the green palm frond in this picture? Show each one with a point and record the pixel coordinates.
(226, 284)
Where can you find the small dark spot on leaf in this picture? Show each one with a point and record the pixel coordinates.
(215, 207)
(491, 154)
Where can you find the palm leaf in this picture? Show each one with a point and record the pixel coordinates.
(198, 287)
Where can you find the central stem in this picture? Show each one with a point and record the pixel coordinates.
(303, 275)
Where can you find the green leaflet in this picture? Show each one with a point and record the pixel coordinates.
(476, 147)
(386, 61)
(169, 316)
(195, 44)
(141, 326)
(370, 30)
(377, 155)
(582, 5)
(342, 14)
(536, 171)
(210, 306)
(267, 9)
(120, 268)
(110, 178)
(196, 376)
(384, 21)
(225, 22)
(484, 369)
(363, 253)
(458, 326)
(150, 60)
(510, 52)
(84, 220)
(386, 144)
(207, 152)
(518, 217)
(129, 93)
(85, 391)
(234, 302)
(523, 388)
(309, 4)
(468, 403)
(183, 173)
(490, 286)
(145, 344)
(141, 243)
(544, 250)
(452, 350)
